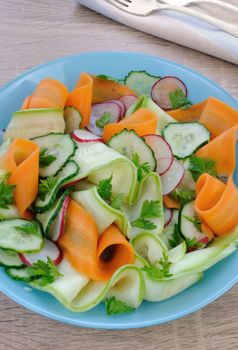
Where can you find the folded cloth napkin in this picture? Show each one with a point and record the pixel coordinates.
(179, 28)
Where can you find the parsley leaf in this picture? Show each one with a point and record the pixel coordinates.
(105, 188)
(199, 166)
(117, 201)
(195, 221)
(158, 270)
(104, 120)
(44, 272)
(115, 306)
(193, 243)
(176, 238)
(6, 195)
(46, 159)
(45, 186)
(141, 168)
(178, 99)
(183, 196)
(107, 77)
(30, 227)
(150, 209)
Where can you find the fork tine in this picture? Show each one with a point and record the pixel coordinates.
(122, 4)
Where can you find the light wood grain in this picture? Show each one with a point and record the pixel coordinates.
(33, 32)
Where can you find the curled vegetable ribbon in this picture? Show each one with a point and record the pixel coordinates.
(216, 203)
(95, 257)
(22, 162)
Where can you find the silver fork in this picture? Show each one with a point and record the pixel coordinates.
(146, 7)
(219, 3)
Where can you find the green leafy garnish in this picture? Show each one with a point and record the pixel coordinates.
(195, 221)
(143, 168)
(107, 77)
(117, 201)
(6, 195)
(29, 227)
(176, 238)
(183, 196)
(115, 306)
(150, 209)
(158, 270)
(44, 272)
(104, 120)
(105, 188)
(178, 99)
(45, 186)
(193, 243)
(199, 166)
(46, 159)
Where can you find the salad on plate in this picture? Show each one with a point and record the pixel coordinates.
(118, 191)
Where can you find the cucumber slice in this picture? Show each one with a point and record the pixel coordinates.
(10, 258)
(60, 146)
(186, 138)
(177, 253)
(10, 213)
(141, 82)
(146, 102)
(66, 174)
(149, 190)
(168, 231)
(30, 123)
(21, 236)
(128, 143)
(47, 218)
(98, 161)
(164, 289)
(149, 247)
(187, 223)
(21, 274)
(72, 118)
(103, 213)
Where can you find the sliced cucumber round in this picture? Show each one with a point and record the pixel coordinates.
(10, 258)
(186, 138)
(56, 149)
(141, 82)
(128, 143)
(23, 274)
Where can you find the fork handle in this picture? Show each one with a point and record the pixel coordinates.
(220, 3)
(231, 29)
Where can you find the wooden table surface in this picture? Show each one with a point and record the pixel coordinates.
(33, 32)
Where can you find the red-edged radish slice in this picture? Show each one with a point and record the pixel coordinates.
(82, 136)
(57, 227)
(128, 101)
(98, 110)
(120, 104)
(168, 214)
(50, 250)
(172, 178)
(162, 150)
(162, 88)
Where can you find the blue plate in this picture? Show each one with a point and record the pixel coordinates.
(217, 280)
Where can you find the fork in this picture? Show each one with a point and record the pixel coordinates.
(219, 3)
(146, 7)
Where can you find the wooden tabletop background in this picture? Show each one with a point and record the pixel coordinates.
(33, 32)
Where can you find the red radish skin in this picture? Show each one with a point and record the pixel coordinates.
(168, 215)
(97, 112)
(128, 101)
(173, 177)
(163, 87)
(162, 150)
(85, 136)
(72, 183)
(50, 250)
(57, 228)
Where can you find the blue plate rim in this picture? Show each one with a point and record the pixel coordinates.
(107, 325)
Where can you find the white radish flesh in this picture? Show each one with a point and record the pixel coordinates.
(168, 214)
(82, 135)
(172, 178)
(57, 227)
(128, 101)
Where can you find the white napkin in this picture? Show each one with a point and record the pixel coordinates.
(179, 28)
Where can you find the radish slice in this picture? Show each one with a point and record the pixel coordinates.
(50, 250)
(98, 110)
(162, 88)
(121, 105)
(57, 227)
(172, 178)
(168, 214)
(82, 136)
(128, 101)
(162, 150)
